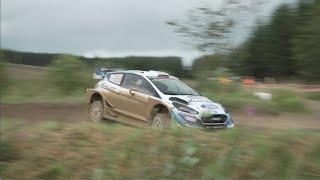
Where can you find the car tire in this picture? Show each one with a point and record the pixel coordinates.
(96, 111)
(160, 121)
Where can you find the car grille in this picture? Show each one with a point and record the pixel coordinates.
(215, 121)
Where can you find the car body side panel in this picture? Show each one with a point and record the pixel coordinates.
(134, 109)
(135, 104)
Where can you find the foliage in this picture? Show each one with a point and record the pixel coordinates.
(287, 101)
(240, 99)
(205, 65)
(307, 41)
(4, 81)
(267, 53)
(211, 29)
(285, 47)
(68, 74)
(100, 151)
(172, 65)
(56, 171)
(313, 96)
(7, 151)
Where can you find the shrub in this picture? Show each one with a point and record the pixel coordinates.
(313, 96)
(4, 82)
(287, 101)
(56, 171)
(240, 99)
(205, 65)
(68, 74)
(7, 152)
(120, 152)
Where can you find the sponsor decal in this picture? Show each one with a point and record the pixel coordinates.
(209, 106)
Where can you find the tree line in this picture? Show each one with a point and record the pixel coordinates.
(287, 46)
(171, 65)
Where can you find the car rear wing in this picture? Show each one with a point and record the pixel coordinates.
(101, 73)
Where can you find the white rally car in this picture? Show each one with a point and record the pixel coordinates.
(153, 98)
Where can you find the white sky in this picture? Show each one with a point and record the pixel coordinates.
(105, 28)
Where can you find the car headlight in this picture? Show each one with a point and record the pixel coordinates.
(188, 117)
(184, 108)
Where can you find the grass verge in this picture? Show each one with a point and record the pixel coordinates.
(315, 96)
(57, 150)
(243, 100)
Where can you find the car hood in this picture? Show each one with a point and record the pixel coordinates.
(199, 103)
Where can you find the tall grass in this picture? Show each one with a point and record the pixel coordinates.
(238, 98)
(315, 96)
(100, 151)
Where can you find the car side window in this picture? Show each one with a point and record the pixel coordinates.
(132, 81)
(115, 78)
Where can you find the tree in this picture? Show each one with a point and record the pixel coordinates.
(68, 74)
(307, 41)
(210, 30)
(268, 52)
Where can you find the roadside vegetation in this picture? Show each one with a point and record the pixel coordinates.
(283, 101)
(282, 49)
(238, 97)
(4, 82)
(56, 150)
(315, 96)
(67, 74)
(65, 80)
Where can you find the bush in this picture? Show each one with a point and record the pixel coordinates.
(287, 101)
(7, 152)
(68, 74)
(205, 65)
(221, 81)
(56, 171)
(313, 96)
(241, 99)
(98, 151)
(4, 82)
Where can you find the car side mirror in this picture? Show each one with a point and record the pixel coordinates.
(133, 91)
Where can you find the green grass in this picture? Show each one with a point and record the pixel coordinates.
(315, 96)
(239, 99)
(58, 150)
(38, 90)
(31, 84)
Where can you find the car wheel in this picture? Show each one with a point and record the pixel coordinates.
(96, 111)
(160, 121)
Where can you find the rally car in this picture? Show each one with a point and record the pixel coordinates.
(155, 99)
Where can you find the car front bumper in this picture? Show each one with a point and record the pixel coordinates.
(187, 120)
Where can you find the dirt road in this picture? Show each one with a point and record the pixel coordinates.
(35, 112)
(45, 111)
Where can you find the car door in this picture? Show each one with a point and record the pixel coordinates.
(138, 93)
(114, 95)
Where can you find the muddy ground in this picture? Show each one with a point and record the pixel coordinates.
(36, 112)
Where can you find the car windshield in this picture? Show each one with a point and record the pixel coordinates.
(172, 86)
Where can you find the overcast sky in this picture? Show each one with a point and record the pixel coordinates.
(104, 28)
